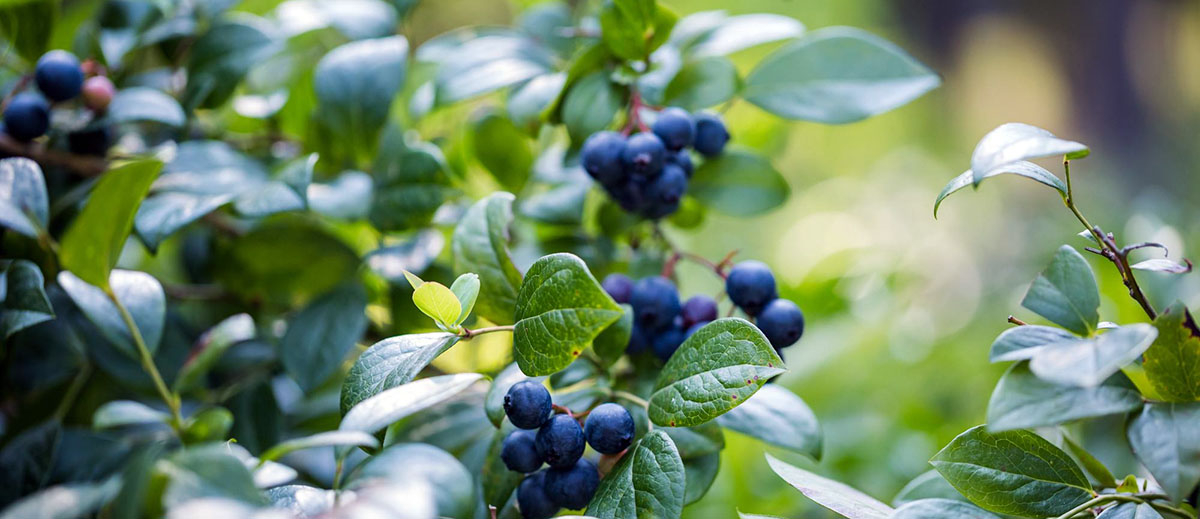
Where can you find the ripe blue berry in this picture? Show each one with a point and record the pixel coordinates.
(683, 159)
(560, 441)
(644, 154)
(782, 322)
(675, 128)
(668, 341)
(665, 192)
(629, 193)
(532, 498)
(750, 286)
(619, 287)
(27, 117)
(697, 309)
(518, 452)
(573, 487)
(527, 404)
(59, 75)
(609, 428)
(601, 157)
(655, 303)
(639, 340)
(711, 135)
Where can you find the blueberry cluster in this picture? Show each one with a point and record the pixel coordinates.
(647, 173)
(60, 77)
(557, 440)
(751, 286)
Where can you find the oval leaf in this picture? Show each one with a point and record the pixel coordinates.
(1166, 440)
(779, 417)
(325, 439)
(377, 412)
(1066, 293)
(1089, 362)
(319, 335)
(481, 246)
(941, 509)
(1025, 169)
(649, 481)
(830, 494)
(355, 85)
(139, 292)
(1130, 511)
(24, 206)
(739, 183)
(744, 31)
(700, 473)
(392, 362)
(140, 104)
(1173, 361)
(1012, 142)
(1023, 342)
(70, 501)
(928, 485)
(119, 413)
(24, 298)
(1021, 400)
(438, 302)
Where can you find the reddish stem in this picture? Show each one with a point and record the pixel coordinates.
(635, 119)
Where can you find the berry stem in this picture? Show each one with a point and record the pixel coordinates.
(678, 254)
(563, 410)
(635, 118)
(467, 333)
(17, 88)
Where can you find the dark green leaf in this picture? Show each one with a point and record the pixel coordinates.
(219, 59)
(325, 439)
(560, 310)
(119, 413)
(700, 473)
(355, 85)
(830, 494)
(451, 484)
(837, 75)
(70, 501)
(1013, 142)
(941, 509)
(27, 25)
(285, 262)
(494, 403)
(388, 406)
(503, 149)
(590, 105)
(926, 486)
(319, 336)
(1166, 440)
(139, 292)
(740, 183)
(1013, 472)
(744, 31)
(779, 417)
(1021, 400)
(208, 471)
(715, 370)
(390, 363)
(559, 205)
(211, 346)
(611, 342)
(1021, 168)
(1173, 362)
(703, 83)
(527, 104)
(24, 297)
(481, 245)
(23, 202)
(1093, 466)
(410, 183)
(288, 191)
(1130, 511)
(139, 104)
(414, 255)
(93, 243)
(1066, 293)
(697, 441)
(649, 481)
(1089, 362)
(163, 214)
(1023, 342)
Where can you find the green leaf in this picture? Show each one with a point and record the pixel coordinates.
(829, 493)
(324, 439)
(208, 471)
(611, 343)
(698, 441)
(355, 19)
(703, 83)
(1172, 362)
(27, 25)
(355, 85)
(302, 500)
(740, 32)
(140, 104)
(221, 57)
(466, 290)
(319, 335)
(438, 302)
(1021, 400)
(1166, 440)
(779, 417)
(211, 425)
(23, 294)
(390, 363)
(699, 473)
(1066, 293)
(434, 470)
(347, 197)
(23, 202)
(163, 214)
(1021, 168)
(120, 413)
(625, 27)
(1023, 342)
(211, 346)
(415, 255)
(739, 183)
(285, 262)
(494, 401)
(503, 149)
(941, 509)
(93, 242)
(1130, 511)
(1089, 362)
(139, 292)
(560, 310)
(527, 103)
(590, 105)
(837, 75)
(1093, 466)
(288, 191)
(1013, 472)
(649, 481)
(480, 245)
(410, 183)
(1013, 142)
(715, 370)
(388, 406)
(928, 485)
(69, 501)
(476, 60)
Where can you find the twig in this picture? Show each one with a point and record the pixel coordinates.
(83, 165)
(205, 292)
(467, 334)
(563, 410)
(1018, 322)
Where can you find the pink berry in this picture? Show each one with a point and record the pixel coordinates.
(98, 91)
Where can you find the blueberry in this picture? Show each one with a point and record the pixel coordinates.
(782, 322)
(619, 286)
(697, 309)
(90, 141)
(609, 428)
(573, 487)
(692, 329)
(59, 75)
(683, 159)
(527, 404)
(750, 286)
(629, 193)
(560, 441)
(711, 135)
(27, 117)
(644, 154)
(601, 157)
(665, 192)
(675, 128)
(655, 303)
(668, 341)
(639, 340)
(532, 498)
(518, 452)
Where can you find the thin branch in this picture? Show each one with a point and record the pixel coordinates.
(467, 333)
(1018, 322)
(83, 165)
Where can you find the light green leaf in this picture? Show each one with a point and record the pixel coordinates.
(649, 481)
(779, 417)
(560, 310)
(320, 334)
(625, 26)
(378, 411)
(837, 75)
(119, 413)
(1172, 362)
(23, 298)
(139, 292)
(1021, 168)
(466, 290)
(1166, 440)
(1089, 362)
(324, 439)
(211, 346)
(28, 26)
(735, 33)
(829, 493)
(1013, 142)
(941, 509)
(1013, 472)
(928, 485)
(1021, 400)
(390, 363)
(438, 302)
(1023, 342)
(24, 205)
(611, 343)
(69, 501)
(481, 245)
(1066, 293)
(139, 104)
(739, 183)
(715, 370)
(93, 242)
(703, 83)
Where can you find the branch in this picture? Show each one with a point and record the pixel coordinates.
(83, 165)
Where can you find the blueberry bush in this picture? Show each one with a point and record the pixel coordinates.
(237, 235)
(1132, 387)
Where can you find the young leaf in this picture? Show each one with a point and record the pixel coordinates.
(23, 202)
(1013, 142)
(388, 406)
(466, 290)
(211, 346)
(837, 75)
(319, 335)
(928, 485)
(1013, 472)
(69, 501)
(1066, 293)
(715, 370)
(829, 493)
(93, 242)
(739, 183)
(1166, 440)
(560, 310)
(392, 362)
(779, 417)
(439, 303)
(1023, 342)
(119, 413)
(23, 296)
(649, 481)
(1022, 168)
(611, 342)
(699, 474)
(139, 292)
(1021, 400)
(1089, 362)
(1172, 362)
(481, 245)
(324, 439)
(941, 509)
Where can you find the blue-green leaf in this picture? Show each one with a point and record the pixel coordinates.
(1066, 293)
(1021, 168)
(829, 493)
(23, 202)
(23, 294)
(1014, 142)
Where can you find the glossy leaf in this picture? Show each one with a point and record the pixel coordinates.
(424, 466)
(1020, 168)
(1066, 293)
(208, 471)
(24, 206)
(698, 441)
(411, 183)
(93, 243)
(715, 370)
(324, 439)
(347, 197)
(590, 105)
(1013, 142)
(356, 19)
(139, 292)
(1166, 440)
(476, 60)
(163, 214)
(829, 493)
(438, 302)
(378, 411)
(739, 183)
(740, 32)
(69, 501)
(625, 25)
(1089, 362)
(414, 255)
(929, 485)
(120, 413)
(1130, 511)
(221, 57)
(941, 509)
(355, 85)
(211, 346)
(481, 246)
(141, 104)
(302, 500)
(703, 83)
(1021, 400)
(649, 481)
(320, 334)
(777, 416)
(1023, 342)
(1093, 466)
(390, 363)
(1172, 362)
(22, 297)
(466, 290)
